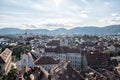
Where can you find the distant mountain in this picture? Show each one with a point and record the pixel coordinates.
(77, 30)
(10, 31)
(38, 31)
(59, 31)
(85, 30)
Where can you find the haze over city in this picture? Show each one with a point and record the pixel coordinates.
(59, 40)
(53, 14)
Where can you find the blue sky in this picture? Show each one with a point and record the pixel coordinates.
(52, 14)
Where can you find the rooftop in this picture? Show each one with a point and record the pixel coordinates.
(45, 60)
(66, 72)
(63, 49)
(4, 56)
(54, 43)
(97, 58)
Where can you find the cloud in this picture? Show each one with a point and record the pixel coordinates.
(84, 11)
(115, 14)
(84, 1)
(107, 3)
(83, 15)
(114, 19)
(39, 7)
(70, 13)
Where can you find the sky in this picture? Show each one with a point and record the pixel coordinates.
(53, 14)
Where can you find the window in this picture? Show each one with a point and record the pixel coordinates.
(0, 67)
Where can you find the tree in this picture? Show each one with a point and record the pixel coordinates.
(0, 78)
(12, 75)
(110, 53)
(4, 77)
(4, 47)
(17, 50)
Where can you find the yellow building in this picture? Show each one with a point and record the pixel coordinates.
(5, 61)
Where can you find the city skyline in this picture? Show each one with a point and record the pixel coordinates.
(53, 14)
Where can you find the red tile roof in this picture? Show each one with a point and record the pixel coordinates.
(96, 58)
(54, 43)
(66, 72)
(61, 49)
(45, 60)
(49, 50)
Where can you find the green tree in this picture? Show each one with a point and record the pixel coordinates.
(0, 78)
(4, 77)
(12, 75)
(17, 50)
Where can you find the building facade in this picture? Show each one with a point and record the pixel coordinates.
(66, 54)
(5, 61)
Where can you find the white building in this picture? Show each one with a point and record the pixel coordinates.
(37, 52)
(5, 61)
(63, 42)
(117, 58)
(72, 55)
(26, 60)
(53, 43)
(111, 48)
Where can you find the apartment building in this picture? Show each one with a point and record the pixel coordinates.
(5, 61)
(72, 55)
